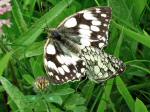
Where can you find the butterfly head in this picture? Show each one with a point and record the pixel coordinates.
(53, 33)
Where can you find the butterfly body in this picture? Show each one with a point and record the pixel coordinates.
(75, 48)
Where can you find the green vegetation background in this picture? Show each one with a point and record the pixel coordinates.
(21, 60)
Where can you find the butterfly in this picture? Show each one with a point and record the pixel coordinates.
(75, 48)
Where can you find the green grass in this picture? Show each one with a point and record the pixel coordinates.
(21, 59)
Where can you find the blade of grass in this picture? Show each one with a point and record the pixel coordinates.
(145, 40)
(139, 106)
(125, 93)
(139, 6)
(4, 62)
(107, 91)
(96, 100)
(133, 61)
(88, 91)
(105, 96)
(18, 17)
(119, 83)
(139, 67)
(36, 29)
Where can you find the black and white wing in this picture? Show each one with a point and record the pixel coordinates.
(61, 66)
(88, 27)
(101, 66)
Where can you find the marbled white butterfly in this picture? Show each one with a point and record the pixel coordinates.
(75, 48)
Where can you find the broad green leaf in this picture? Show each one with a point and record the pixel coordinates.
(88, 91)
(4, 61)
(63, 91)
(29, 79)
(14, 93)
(35, 49)
(54, 99)
(80, 109)
(139, 106)
(48, 98)
(73, 101)
(125, 93)
(37, 66)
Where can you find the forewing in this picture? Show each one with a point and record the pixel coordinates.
(88, 27)
(60, 66)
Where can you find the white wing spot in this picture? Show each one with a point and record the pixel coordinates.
(98, 11)
(100, 75)
(57, 77)
(52, 65)
(68, 60)
(66, 78)
(106, 75)
(92, 58)
(92, 48)
(95, 28)
(60, 59)
(103, 38)
(74, 71)
(82, 70)
(50, 73)
(85, 42)
(83, 26)
(89, 16)
(78, 75)
(72, 22)
(101, 45)
(61, 71)
(95, 58)
(103, 15)
(105, 68)
(104, 24)
(106, 20)
(87, 57)
(83, 63)
(84, 36)
(85, 50)
(96, 69)
(50, 49)
(96, 23)
(66, 68)
(85, 32)
(99, 36)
